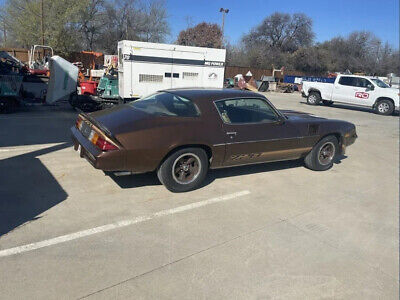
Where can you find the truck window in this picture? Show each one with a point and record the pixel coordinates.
(349, 81)
(362, 82)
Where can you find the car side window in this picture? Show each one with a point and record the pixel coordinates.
(349, 81)
(240, 111)
(362, 82)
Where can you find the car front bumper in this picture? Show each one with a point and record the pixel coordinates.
(348, 139)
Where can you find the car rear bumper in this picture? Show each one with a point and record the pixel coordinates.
(106, 161)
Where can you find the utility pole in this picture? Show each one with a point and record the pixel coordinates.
(4, 33)
(223, 11)
(42, 20)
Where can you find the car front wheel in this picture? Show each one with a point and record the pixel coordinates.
(323, 154)
(184, 170)
(384, 107)
(313, 98)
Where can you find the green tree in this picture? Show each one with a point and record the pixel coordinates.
(24, 17)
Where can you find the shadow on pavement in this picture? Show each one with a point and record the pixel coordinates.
(27, 188)
(37, 125)
(149, 179)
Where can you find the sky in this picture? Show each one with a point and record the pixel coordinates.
(330, 17)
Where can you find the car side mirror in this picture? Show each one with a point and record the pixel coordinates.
(370, 87)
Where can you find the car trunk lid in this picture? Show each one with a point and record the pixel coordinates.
(116, 120)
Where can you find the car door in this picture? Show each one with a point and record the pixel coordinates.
(344, 90)
(363, 92)
(256, 132)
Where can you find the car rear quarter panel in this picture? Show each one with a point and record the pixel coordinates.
(151, 141)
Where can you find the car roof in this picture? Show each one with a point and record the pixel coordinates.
(204, 94)
(351, 75)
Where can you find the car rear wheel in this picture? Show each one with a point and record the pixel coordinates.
(323, 154)
(384, 107)
(184, 170)
(313, 98)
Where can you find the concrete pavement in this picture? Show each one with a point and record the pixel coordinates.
(297, 234)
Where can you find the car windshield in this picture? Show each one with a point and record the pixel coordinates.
(166, 104)
(379, 83)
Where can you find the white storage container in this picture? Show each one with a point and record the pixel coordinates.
(145, 68)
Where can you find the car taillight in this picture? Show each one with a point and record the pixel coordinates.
(105, 145)
(78, 123)
(100, 142)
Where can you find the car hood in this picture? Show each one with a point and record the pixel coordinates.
(118, 119)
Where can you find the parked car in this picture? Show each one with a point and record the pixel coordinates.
(181, 133)
(354, 90)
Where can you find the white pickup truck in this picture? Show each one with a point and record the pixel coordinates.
(354, 90)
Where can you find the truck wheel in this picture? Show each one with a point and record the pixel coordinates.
(327, 103)
(313, 98)
(323, 154)
(183, 170)
(384, 107)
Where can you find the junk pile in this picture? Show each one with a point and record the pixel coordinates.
(23, 84)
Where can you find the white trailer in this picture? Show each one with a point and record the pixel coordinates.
(145, 68)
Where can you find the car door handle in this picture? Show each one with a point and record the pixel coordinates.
(231, 134)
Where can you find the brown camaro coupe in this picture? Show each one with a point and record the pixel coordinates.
(181, 133)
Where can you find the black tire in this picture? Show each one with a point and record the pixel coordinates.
(321, 158)
(178, 173)
(73, 100)
(384, 107)
(4, 106)
(314, 98)
(8, 105)
(327, 102)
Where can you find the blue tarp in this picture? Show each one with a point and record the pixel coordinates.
(298, 79)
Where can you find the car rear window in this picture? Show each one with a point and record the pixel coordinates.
(166, 104)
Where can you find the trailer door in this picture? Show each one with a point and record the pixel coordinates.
(187, 69)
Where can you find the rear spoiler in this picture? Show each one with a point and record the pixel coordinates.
(101, 127)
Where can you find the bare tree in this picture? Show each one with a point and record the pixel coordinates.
(201, 35)
(276, 38)
(91, 23)
(133, 20)
(280, 31)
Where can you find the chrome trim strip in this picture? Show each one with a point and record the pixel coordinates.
(277, 139)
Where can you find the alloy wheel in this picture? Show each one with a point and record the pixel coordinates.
(383, 107)
(186, 168)
(326, 153)
(312, 99)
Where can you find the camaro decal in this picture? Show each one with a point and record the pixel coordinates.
(362, 95)
(247, 156)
